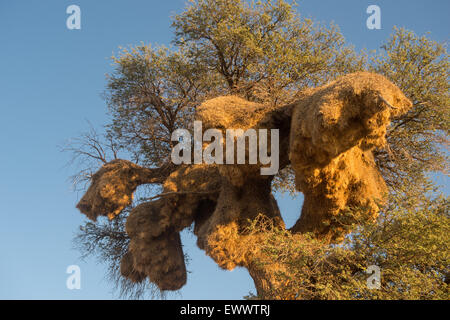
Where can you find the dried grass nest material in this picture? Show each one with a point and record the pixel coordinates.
(334, 128)
(230, 112)
(111, 189)
(327, 136)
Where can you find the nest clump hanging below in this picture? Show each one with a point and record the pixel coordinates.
(327, 136)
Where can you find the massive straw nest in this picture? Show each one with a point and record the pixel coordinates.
(327, 136)
(111, 189)
(334, 128)
(155, 248)
(230, 112)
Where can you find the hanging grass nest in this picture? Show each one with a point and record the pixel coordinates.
(327, 136)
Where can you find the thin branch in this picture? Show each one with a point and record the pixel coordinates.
(387, 103)
(181, 192)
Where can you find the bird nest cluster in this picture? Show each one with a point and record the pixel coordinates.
(327, 137)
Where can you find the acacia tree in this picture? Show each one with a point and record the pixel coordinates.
(151, 93)
(263, 52)
(408, 239)
(417, 140)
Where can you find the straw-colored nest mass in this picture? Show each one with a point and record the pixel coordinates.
(327, 136)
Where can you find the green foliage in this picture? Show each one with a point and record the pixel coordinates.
(416, 140)
(408, 242)
(151, 93)
(263, 50)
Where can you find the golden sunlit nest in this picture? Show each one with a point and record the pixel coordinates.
(334, 128)
(327, 136)
(230, 112)
(111, 189)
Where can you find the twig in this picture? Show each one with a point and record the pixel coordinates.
(181, 192)
(385, 101)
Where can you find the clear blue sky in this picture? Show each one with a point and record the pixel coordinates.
(51, 79)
